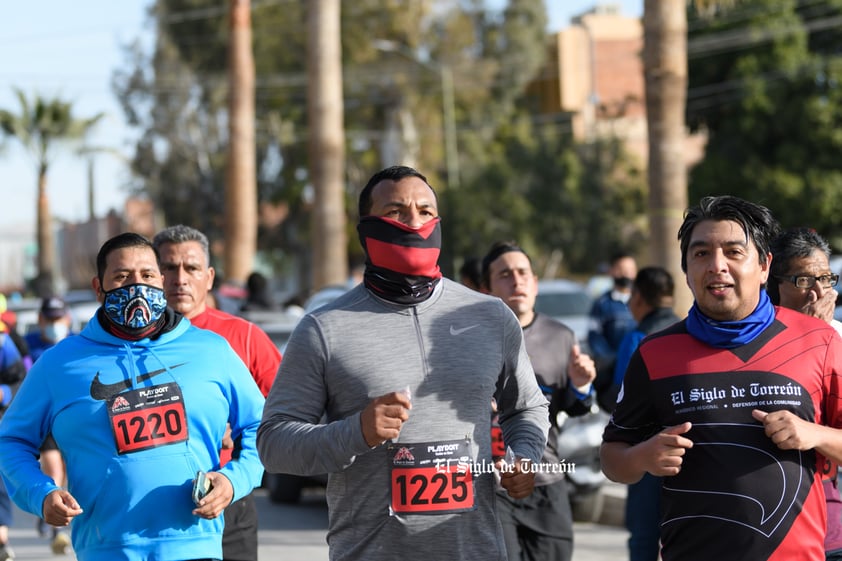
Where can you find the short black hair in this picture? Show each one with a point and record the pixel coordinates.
(618, 255)
(655, 286)
(498, 249)
(472, 270)
(120, 241)
(756, 221)
(791, 244)
(256, 283)
(394, 173)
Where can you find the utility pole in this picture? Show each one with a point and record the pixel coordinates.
(449, 113)
(448, 102)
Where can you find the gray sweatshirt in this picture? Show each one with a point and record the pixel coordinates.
(452, 351)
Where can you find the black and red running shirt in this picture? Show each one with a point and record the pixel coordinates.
(737, 496)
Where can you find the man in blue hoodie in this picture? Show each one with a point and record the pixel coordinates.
(140, 405)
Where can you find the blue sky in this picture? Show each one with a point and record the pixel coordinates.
(70, 49)
(560, 11)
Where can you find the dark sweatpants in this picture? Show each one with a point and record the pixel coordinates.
(239, 540)
(538, 527)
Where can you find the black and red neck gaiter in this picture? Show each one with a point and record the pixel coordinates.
(401, 262)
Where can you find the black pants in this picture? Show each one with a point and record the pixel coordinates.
(539, 527)
(239, 539)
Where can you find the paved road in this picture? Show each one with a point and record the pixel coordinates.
(297, 533)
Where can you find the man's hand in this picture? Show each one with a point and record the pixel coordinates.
(821, 308)
(219, 497)
(787, 430)
(383, 417)
(581, 369)
(663, 453)
(517, 479)
(59, 508)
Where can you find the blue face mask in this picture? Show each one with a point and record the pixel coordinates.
(135, 306)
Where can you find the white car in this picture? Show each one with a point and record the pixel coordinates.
(81, 310)
(567, 301)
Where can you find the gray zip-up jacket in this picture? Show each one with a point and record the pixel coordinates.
(452, 351)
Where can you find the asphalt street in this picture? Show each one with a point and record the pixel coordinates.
(297, 533)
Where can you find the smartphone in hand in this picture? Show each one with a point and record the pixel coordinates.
(201, 486)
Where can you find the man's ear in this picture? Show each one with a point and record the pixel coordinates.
(766, 268)
(97, 288)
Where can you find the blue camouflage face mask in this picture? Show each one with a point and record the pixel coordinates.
(135, 306)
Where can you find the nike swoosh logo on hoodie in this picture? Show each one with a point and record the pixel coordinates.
(100, 391)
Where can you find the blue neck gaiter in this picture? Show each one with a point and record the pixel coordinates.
(731, 334)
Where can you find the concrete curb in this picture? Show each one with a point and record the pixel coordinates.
(614, 507)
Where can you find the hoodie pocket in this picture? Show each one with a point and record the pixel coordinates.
(145, 496)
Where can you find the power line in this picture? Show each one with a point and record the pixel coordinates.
(737, 39)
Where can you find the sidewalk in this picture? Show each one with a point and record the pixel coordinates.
(25, 542)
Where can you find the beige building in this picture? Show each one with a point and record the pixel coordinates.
(595, 75)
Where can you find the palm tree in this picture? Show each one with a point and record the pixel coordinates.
(665, 72)
(241, 173)
(42, 126)
(327, 142)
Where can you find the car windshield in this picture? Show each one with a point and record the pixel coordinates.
(557, 304)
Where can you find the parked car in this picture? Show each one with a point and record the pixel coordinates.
(578, 444)
(324, 296)
(598, 285)
(277, 324)
(567, 301)
(26, 314)
(81, 304)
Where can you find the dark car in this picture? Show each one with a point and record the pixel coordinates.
(283, 487)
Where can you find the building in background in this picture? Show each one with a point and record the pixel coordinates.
(17, 255)
(78, 243)
(76, 246)
(594, 76)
